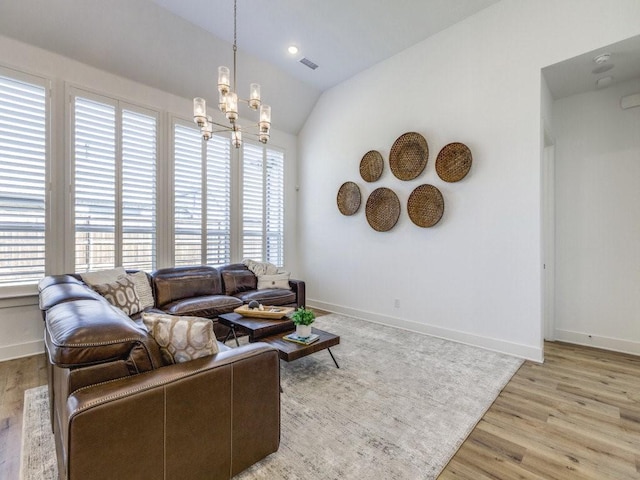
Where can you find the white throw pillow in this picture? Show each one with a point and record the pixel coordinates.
(143, 289)
(279, 280)
(100, 277)
(181, 338)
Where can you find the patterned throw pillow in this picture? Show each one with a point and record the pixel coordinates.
(181, 338)
(122, 294)
(100, 277)
(279, 280)
(143, 289)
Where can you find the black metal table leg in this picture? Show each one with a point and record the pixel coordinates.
(333, 358)
(232, 330)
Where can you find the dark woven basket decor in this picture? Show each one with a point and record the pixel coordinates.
(408, 156)
(453, 162)
(383, 209)
(425, 206)
(371, 166)
(349, 198)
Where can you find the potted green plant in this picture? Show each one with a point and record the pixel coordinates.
(303, 318)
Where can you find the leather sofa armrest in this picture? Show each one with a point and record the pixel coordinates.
(298, 286)
(212, 417)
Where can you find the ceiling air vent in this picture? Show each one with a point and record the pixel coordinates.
(308, 63)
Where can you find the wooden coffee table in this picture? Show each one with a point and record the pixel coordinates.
(272, 331)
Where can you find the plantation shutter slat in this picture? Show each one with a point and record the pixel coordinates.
(22, 182)
(218, 201)
(138, 190)
(188, 195)
(274, 212)
(252, 202)
(95, 184)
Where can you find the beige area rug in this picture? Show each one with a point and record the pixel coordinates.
(398, 408)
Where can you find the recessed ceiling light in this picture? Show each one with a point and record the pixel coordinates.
(602, 58)
(292, 49)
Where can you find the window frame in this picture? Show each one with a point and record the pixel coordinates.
(120, 105)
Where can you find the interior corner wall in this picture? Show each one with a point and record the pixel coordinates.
(475, 277)
(598, 220)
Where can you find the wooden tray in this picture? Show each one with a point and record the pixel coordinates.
(268, 312)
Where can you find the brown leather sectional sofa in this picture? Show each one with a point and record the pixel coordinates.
(118, 411)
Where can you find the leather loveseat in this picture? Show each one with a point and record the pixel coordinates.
(118, 411)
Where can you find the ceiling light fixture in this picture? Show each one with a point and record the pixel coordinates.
(228, 104)
(602, 58)
(293, 49)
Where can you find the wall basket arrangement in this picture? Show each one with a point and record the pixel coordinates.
(425, 206)
(409, 155)
(382, 209)
(407, 160)
(349, 198)
(371, 166)
(453, 162)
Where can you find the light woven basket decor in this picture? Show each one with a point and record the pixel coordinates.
(382, 209)
(408, 156)
(371, 166)
(425, 206)
(453, 162)
(349, 198)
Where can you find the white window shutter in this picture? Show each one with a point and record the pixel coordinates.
(252, 202)
(218, 200)
(94, 184)
(23, 160)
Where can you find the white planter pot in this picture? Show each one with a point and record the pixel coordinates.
(303, 331)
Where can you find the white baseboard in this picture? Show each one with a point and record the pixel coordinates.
(496, 345)
(606, 343)
(19, 350)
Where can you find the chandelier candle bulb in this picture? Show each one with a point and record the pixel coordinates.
(254, 96)
(231, 108)
(236, 137)
(224, 83)
(199, 111)
(207, 128)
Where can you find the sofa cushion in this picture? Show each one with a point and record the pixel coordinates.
(237, 281)
(272, 296)
(143, 289)
(122, 294)
(55, 293)
(181, 338)
(103, 276)
(209, 306)
(85, 332)
(176, 283)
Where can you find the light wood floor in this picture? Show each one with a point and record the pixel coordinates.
(577, 416)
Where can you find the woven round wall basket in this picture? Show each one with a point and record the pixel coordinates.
(383, 209)
(453, 162)
(371, 166)
(425, 206)
(408, 156)
(349, 198)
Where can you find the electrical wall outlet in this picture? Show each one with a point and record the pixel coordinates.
(396, 303)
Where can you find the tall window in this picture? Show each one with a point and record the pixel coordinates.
(23, 139)
(114, 153)
(202, 198)
(262, 204)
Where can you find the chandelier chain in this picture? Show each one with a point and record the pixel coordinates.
(235, 41)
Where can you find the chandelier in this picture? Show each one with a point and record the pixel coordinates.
(228, 104)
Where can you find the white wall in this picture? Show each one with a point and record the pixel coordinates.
(20, 320)
(476, 276)
(598, 219)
